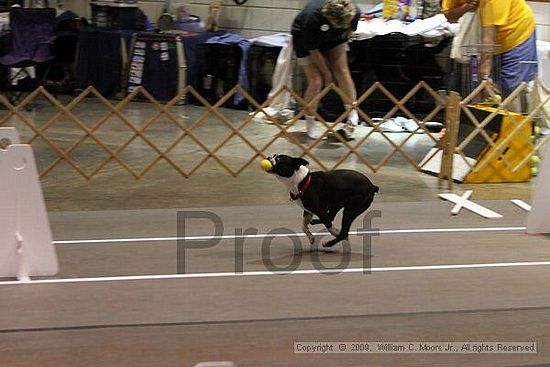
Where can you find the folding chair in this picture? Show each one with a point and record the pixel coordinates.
(33, 32)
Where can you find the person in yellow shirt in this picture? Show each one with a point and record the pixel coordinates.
(510, 26)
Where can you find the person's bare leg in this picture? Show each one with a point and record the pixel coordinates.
(314, 85)
(338, 60)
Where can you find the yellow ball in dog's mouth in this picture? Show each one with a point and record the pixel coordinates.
(266, 165)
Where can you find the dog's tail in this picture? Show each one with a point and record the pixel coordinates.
(376, 188)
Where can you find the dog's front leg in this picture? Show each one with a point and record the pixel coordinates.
(305, 226)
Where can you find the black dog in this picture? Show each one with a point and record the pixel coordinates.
(324, 193)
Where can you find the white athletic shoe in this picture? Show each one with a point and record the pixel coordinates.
(353, 118)
(314, 129)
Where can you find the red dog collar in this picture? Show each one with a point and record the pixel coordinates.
(302, 188)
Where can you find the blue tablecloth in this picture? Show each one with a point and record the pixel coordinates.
(99, 60)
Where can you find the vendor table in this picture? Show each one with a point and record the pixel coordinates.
(158, 64)
(5, 48)
(102, 56)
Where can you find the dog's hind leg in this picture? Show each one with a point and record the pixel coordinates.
(347, 219)
(333, 230)
(326, 217)
(305, 227)
(348, 216)
(327, 221)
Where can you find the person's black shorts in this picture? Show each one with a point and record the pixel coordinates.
(301, 50)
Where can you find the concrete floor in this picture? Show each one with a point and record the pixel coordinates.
(462, 280)
(434, 277)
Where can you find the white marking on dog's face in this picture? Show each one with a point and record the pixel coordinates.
(273, 160)
(290, 171)
(284, 165)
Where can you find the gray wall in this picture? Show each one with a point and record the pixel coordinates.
(255, 18)
(542, 16)
(260, 17)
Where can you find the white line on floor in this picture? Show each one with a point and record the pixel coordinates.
(269, 235)
(522, 204)
(279, 273)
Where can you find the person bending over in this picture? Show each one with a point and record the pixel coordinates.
(320, 33)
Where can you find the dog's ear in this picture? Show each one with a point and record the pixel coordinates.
(299, 162)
